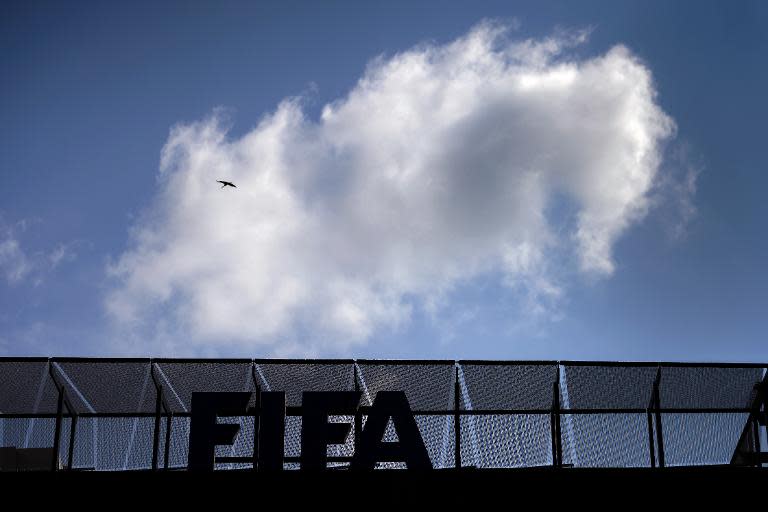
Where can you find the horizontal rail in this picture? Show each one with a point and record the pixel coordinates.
(425, 362)
(663, 364)
(297, 411)
(288, 459)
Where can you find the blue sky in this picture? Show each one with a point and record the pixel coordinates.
(90, 94)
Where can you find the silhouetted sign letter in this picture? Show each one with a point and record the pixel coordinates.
(316, 432)
(272, 431)
(205, 433)
(410, 446)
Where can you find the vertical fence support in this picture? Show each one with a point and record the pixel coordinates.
(57, 430)
(761, 418)
(158, 412)
(167, 446)
(657, 409)
(756, 433)
(557, 425)
(256, 416)
(156, 438)
(71, 451)
(61, 402)
(457, 421)
(650, 435)
(358, 414)
(557, 449)
(748, 451)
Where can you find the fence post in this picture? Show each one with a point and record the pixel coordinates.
(57, 430)
(761, 418)
(657, 408)
(167, 446)
(358, 414)
(457, 420)
(557, 450)
(71, 452)
(256, 416)
(158, 405)
(61, 402)
(650, 434)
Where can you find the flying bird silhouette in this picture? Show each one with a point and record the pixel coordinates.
(226, 184)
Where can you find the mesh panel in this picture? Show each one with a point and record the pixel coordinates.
(513, 386)
(293, 441)
(605, 440)
(429, 387)
(703, 387)
(182, 378)
(86, 443)
(108, 387)
(108, 444)
(346, 449)
(608, 387)
(123, 443)
(748, 444)
(178, 450)
(139, 447)
(28, 432)
(436, 432)
(294, 378)
(692, 439)
(25, 387)
(243, 445)
(506, 441)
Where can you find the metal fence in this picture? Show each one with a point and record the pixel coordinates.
(133, 414)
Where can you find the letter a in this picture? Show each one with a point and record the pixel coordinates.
(410, 446)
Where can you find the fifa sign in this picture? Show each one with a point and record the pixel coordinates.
(317, 431)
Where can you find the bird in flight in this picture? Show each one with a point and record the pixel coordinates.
(226, 184)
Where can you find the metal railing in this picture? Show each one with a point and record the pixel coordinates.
(124, 414)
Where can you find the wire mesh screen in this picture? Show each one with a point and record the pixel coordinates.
(506, 441)
(437, 431)
(428, 386)
(607, 387)
(28, 432)
(520, 386)
(605, 440)
(112, 387)
(709, 387)
(607, 414)
(25, 387)
(295, 378)
(182, 378)
(292, 449)
(177, 447)
(697, 439)
(243, 445)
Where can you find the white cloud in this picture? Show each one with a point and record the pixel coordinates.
(675, 191)
(61, 254)
(18, 264)
(14, 264)
(443, 163)
(13, 261)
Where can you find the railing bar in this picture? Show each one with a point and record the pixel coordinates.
(296, 411)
